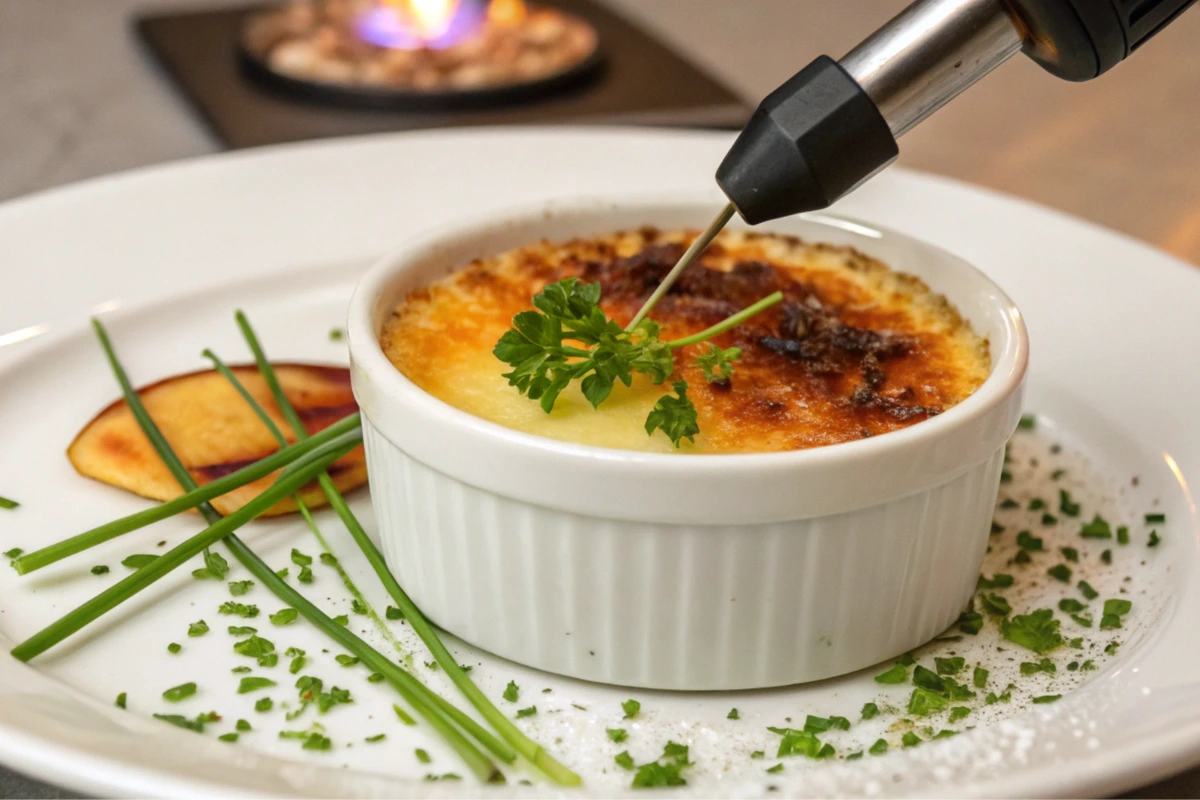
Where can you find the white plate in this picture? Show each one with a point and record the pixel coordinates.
(166, 255)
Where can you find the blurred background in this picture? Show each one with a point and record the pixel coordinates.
(81, 96)
(89, 87)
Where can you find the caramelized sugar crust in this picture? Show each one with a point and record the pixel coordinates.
(855, 349)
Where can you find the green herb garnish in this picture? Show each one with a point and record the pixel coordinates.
(231, 608)
(1060, 572)
(631, 708)
(99, 569)
(1027, 541)
(1098, 528)
(999, 581)
(284, 616)
(7, 504)
(1066, 505)
(180, 692)
(995, 604)
(251, 684)
(1152, 519)
(949, 666)
(957, 713)
(979, 677)
(1086, 590)
(1153, 540)
(624, 760)
(239, 588)
(897, 674)
(526, 712)
(138, 560)
(869, 711)
(121, 700)
(618, 735)
(1046, 698)
(666, 771)
(198, 628)
(879, 748)
(174, 648)
(1037, 631)
(512, 692)
(544, 364)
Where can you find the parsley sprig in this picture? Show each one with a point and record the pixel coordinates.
(569, 338)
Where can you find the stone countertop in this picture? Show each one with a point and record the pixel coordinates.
(80, 99)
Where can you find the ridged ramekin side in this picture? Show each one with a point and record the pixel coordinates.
(681, 606)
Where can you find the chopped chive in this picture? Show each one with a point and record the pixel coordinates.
(1153, 540)
(1066, 505)
(733, 714)
(1152, 519)
(403, 715)
(1098, 528)
(999, 581)
(180, 692)
(138, 560)
(1046, 698)
(228, 737)
(1106, 556)
(777, 768)
(284, 616)
(99, 569)
(1122, 535)
(1037, 504)
(1086, 590)
(121, 700)
(1027, 422)
(174, 648)
(526, 712)
(422, 756)
(7, 504)
(1049, 519)
(1027, 541)
(379, 737)
(1060, 572)
(252, 684)
(979, 677)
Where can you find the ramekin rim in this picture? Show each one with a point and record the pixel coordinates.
(1006, 376)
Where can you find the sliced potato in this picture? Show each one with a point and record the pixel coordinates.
(215, 432)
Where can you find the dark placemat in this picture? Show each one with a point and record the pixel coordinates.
(641, 82)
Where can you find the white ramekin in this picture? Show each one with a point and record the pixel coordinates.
(676, 571)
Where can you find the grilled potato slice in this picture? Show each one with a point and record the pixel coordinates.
(215, 432)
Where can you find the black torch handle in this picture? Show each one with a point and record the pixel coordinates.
(1082, 39)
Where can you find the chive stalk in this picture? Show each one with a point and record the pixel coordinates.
(302, 471)
(270, 425)
(531, 750)
(427, 703)
(728, 323)
(252, 472)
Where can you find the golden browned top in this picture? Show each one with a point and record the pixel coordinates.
(855, 349)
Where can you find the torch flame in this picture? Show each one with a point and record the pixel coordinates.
(428, 19)
(506, 12)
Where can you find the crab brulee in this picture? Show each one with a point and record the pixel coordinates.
(853, 349)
